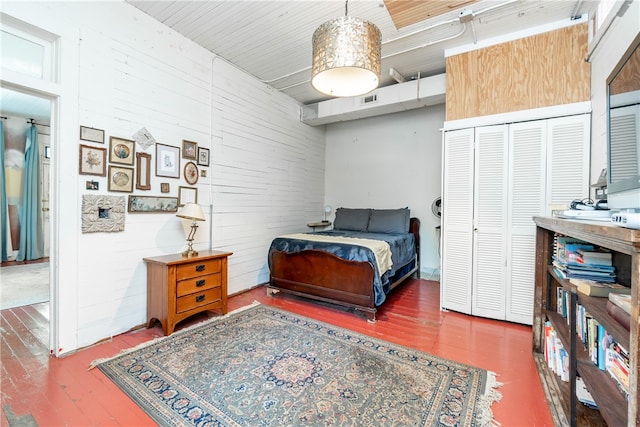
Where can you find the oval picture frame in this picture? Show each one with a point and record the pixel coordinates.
(191, 173)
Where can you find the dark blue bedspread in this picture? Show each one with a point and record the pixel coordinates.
(402, 252)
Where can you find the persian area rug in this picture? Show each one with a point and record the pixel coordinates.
(262, 366)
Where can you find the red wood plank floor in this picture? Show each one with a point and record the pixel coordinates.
(38, 389)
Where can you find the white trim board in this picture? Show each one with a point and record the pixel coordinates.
(514, 36)
(520, 116)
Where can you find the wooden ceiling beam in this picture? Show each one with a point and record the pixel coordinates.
(408, 12)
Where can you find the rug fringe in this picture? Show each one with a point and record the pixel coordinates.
(96, 362)
(491, 395)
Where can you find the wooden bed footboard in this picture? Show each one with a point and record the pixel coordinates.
(323, 276)
(326, 277)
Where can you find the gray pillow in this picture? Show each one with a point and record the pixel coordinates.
(389, 220)
(351, 219)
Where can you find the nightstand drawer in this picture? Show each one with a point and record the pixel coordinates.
(192, 301)
(198, 284)
(198, 268)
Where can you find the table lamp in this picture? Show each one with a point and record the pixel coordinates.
(327, 209)
(193, 212)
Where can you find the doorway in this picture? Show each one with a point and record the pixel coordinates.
(26, 279)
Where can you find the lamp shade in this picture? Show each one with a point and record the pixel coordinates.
(346, 57)
(192, 211)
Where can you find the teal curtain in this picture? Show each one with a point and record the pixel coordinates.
(4, 208)
(30, 211)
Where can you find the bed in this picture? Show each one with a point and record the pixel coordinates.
(348, 265)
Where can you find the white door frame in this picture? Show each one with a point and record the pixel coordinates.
(62, 91)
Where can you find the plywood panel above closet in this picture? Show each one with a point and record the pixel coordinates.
(538, 71)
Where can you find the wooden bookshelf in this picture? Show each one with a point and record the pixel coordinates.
(614, 408)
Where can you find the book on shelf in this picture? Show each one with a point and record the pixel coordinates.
(594, 257)
(619, 315)
(597, 288)
(617, 363)
(618, 371)
(572, 270)
(583, 394)
(621, 300)
(556, 356)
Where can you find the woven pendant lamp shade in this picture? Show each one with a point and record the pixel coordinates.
(346, 57)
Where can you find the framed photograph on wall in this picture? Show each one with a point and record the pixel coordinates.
(143, 171)
(121, 151)
(203, 156)
(191, 173)
(120, 179)
(164, 187)
(187, 195)
(167, 161)
(93, 161)
(189, 149)
(148, 204)
(91, 134)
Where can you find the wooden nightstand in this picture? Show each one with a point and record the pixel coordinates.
(179, 287)
(315, 225)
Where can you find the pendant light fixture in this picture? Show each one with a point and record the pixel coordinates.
(346, 56)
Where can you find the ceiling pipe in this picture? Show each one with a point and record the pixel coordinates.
(402, 37)
(464, 26)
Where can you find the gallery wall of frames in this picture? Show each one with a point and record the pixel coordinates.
(125, 165)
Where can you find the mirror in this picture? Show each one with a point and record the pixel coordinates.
(624, 131)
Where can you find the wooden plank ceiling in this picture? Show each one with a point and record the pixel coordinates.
(409, 12)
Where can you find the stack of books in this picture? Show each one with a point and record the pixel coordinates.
(619, 307)
(617, 365)
(603, 350)
(598, 289)
(555, 355)
(580, 260)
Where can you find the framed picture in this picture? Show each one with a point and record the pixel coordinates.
(164, 187)
(93, 161)
(120, 179)
(121, 150)
(203, 156)
(92, 185)
(167, 161)
(191, 173)
(91, 134)
(102, 213)
(189, 149)
(146, 204)
(143, 171)
(187, 195)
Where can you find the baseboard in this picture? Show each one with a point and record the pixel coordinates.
(430, 274)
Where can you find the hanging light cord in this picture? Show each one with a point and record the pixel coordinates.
(346, 7)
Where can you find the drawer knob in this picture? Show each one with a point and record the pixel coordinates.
(200, 298)
(200, 282)
(200, 267)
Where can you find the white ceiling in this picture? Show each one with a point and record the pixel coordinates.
(13, 103)
(271, 39)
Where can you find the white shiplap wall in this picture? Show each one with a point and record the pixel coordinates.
(266, 173)
(389, 162)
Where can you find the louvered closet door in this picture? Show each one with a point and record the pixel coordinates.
(625, 122)
(568, 159)
(457, 221)
(489, 270)
(527, 169)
